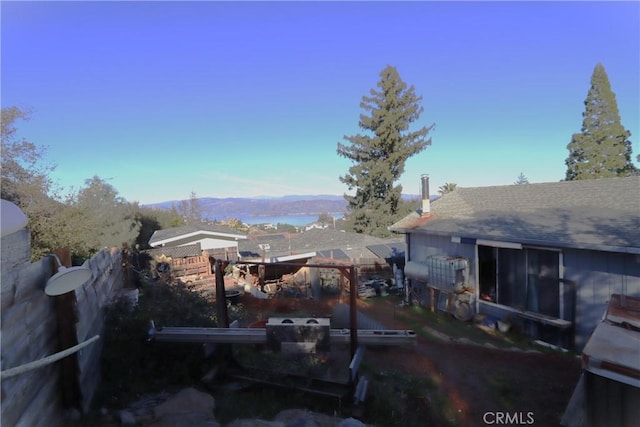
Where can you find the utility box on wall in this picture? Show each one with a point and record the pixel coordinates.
(298, 335)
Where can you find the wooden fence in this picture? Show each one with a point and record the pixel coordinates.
(191, 266)
(373, 267)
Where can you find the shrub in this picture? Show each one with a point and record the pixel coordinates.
(131, 363)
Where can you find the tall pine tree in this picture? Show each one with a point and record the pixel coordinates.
(379, 158)
(602, 148)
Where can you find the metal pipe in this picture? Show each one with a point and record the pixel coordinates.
(426, 203)
(259, 336)
(354, 366)
(12, 372)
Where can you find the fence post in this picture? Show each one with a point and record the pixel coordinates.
(67, 317)
(126, 263)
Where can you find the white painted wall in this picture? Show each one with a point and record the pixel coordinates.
(210, 243)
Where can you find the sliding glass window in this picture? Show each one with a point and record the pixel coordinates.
(526, 279)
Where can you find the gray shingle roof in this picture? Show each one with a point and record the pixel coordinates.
(177, 251)
(283, 244)
(592, 214)
(171, 233)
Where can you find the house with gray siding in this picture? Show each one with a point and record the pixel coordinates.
(546, 257)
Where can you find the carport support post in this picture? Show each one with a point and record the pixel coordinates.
(221, 297)
(353, 310)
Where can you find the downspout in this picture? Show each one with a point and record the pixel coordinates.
(573, 298)
(476, 289)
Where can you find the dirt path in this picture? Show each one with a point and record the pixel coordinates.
(481, 383)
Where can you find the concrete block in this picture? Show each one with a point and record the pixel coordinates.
(15, 249)
(8, 288)
(32, 279)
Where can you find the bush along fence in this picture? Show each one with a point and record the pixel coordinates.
(42, 381)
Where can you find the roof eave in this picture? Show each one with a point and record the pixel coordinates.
(530, 242)
(195, 233)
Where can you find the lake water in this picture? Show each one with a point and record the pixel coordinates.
(297, 220)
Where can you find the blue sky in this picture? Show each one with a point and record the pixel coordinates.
(251, 98)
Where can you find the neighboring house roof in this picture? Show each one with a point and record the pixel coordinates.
(171, 235)
(599, 214)
(391, 250)
(318, 225)
(316, 242)
(332, 254)
(177, 251)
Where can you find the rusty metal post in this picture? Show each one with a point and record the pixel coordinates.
(126, 264)
(221, 297)
(67, 318)
(353, 309)
(261, 273)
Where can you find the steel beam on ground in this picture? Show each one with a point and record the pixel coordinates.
(210, 335)
(375, 337)
(259, 336)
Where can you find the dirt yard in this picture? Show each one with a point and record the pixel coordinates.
(440, 381)
(455, 375)
(480, 380)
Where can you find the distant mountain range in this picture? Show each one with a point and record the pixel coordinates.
(244, 207)
(241, 207)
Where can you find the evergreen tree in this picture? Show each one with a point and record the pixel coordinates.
(190, 210)
(602, 148)
(522, 179)
(107, 219)
(325, 218)
(154, 219)
(379, 159)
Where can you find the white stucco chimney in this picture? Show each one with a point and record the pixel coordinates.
(426, 204)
